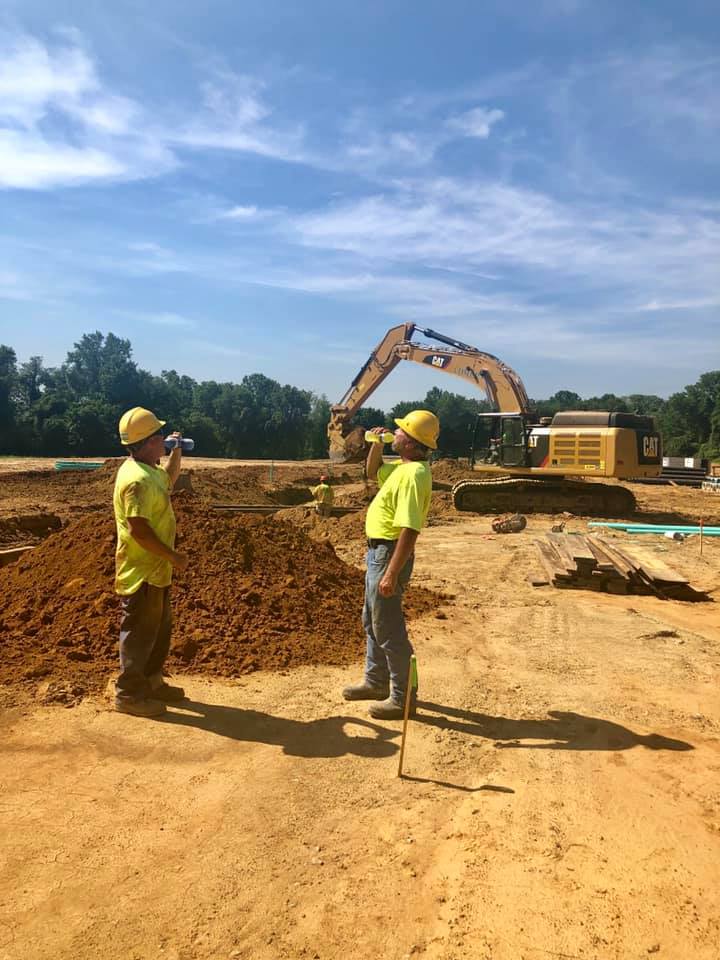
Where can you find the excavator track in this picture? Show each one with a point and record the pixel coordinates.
(527, 495)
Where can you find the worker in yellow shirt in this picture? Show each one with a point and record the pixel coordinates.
(323, 495)
(395, 517)
(144, 562)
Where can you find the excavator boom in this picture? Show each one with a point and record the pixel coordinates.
(500, 383)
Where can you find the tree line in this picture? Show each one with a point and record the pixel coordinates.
(73, 409)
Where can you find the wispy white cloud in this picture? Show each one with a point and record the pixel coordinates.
(60, 125)
(657, 306)
(246, 214)
(476, 122)
(485, 225)
(404, 294)
(42, 91)
(28, 160)
(236, 118)
(404, 135)
(33, 78)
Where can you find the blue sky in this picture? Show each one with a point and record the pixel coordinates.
(241, 187)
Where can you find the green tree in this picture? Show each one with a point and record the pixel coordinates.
(92, 427)
(32, 378)
(646, 405)
(316, 441)
(608, 401)
(102, 366)
(8, 375)
(689, 419)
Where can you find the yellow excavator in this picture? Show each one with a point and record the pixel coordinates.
(526, 461)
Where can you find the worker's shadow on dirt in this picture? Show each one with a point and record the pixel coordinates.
(563, 731)
(327, 737)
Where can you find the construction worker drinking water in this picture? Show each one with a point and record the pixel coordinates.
(144, 561)
(395, 517)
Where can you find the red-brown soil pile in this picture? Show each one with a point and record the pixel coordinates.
(259, 594)
(354, 494)
(450, 471)
(230, 485)
(442, 509)
(265, 484)
(36, 490)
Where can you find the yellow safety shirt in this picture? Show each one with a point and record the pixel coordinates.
(402, 501)
(323, 493)
(142, 491)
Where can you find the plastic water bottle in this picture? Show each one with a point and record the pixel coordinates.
(186, 444)
(386, 437)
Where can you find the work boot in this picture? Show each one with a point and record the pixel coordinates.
(365, 691)
(392, 709)
(140, 708)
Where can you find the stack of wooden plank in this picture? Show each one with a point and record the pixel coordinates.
(576, 561)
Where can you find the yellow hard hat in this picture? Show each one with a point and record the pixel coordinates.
(138, 424)
(422, 426)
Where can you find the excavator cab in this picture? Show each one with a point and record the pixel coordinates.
(500, 439)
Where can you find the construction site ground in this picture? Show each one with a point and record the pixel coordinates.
(562, 787)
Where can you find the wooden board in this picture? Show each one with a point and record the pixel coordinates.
(654, 568)
(551, 563)
(621, 562)
(578, 548)
(576, 562)
(603, 560)
(557, 542)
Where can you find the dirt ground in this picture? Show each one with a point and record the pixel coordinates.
(561, 797)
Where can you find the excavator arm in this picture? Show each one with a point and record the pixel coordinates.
(500, 383)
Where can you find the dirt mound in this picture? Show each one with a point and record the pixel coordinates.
(260, 594)
(251, 484)
(231, 484)
(64, 494)
(335, 530)
(450, 471)
(111, 465)
(355, 494)
(442, 509)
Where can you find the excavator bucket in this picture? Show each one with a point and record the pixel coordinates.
(347, 445)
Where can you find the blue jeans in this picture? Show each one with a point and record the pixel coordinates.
(388, 647)
(145, 630)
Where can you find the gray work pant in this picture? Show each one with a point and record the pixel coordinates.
(388, 649)
(145, 628)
